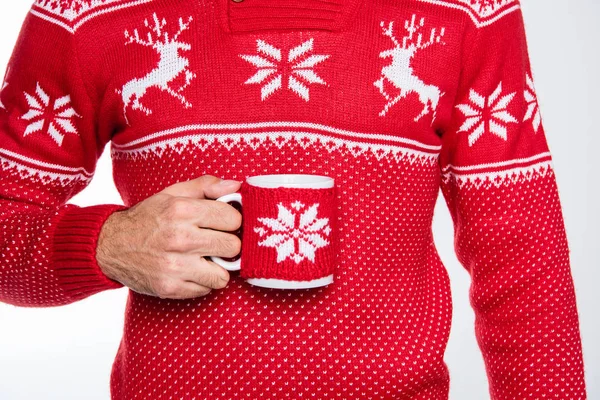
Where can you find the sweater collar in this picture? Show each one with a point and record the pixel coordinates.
(260, 15)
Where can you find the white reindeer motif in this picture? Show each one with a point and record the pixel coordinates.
(170, 65)
(400, 72)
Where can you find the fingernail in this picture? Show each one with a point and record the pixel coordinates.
(228, 182)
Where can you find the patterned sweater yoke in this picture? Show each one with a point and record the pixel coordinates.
(397, 100)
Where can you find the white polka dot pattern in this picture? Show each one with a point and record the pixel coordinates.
(511, 238)
(377, 332)
(40, 266)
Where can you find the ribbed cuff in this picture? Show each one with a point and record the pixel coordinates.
(74, 242)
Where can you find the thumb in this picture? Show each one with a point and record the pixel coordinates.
(203, 187)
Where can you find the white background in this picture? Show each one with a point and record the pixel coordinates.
(67, 352)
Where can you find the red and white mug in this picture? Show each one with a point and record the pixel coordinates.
(288, 231)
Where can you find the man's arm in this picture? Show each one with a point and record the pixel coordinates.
(49, 147)
(499, 183)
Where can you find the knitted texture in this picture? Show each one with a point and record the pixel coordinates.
(396, 100)
(288, 233)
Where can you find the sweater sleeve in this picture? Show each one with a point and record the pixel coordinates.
(49, 147)
(499, 183)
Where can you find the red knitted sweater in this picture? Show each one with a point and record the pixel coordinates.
(396, 100)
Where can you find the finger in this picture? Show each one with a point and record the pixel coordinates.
(190, 290)
(203, 213)
(221, 188)
(206, 186)
(191, 188)
(207, 273)
(189, 239)
(215, 215)
(208, 242)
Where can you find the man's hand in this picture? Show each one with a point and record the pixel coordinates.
(157, 246)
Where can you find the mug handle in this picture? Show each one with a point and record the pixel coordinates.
(229, 265)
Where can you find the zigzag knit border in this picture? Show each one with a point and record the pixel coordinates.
(478, 176)
(279, 134)
(28, 167)
(72, 20)
(481, 15)
(497, 174)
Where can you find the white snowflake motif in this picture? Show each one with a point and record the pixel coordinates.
(55, 117)
(273, 65)
(533, 109)
(294, 235)
(4, 85)
(486, 114)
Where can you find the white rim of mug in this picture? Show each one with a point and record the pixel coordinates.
(307, 181)
(287, 284)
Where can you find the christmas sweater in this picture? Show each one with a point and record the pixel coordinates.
(397, 100)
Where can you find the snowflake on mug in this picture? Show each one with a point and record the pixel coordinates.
(293, 234)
